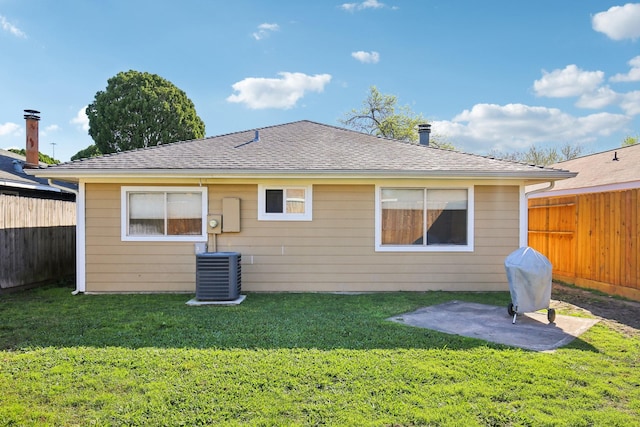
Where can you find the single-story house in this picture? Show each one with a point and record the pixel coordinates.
(588, 225)
(310, 207)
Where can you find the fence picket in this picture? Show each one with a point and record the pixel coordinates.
(37, 240)
(590, 238)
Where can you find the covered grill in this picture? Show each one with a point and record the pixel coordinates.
(529, 273)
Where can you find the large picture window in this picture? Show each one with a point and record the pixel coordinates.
(284, 203)
(416, 219)
(155, 213)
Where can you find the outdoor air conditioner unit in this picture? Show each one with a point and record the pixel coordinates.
(218, 276)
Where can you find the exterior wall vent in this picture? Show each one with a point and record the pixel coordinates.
(218, 276)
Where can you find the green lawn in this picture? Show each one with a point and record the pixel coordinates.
(293, 359)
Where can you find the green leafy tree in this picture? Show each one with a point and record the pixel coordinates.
(90, 151)
(41, 157)
(140, 109)
(381, 115)
(630, 140)
(541, 156)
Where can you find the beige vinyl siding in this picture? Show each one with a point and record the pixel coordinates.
(333, 252)
(116, 266)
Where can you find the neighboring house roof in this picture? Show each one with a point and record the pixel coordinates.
(13, 176)
(616, 169)
(302, 147)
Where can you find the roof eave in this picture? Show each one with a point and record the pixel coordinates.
(28, 186)
(78, 174)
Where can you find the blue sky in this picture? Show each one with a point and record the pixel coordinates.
(493, 75)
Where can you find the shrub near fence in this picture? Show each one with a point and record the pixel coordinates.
(37, 240)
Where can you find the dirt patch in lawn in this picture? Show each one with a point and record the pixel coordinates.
(621, 315)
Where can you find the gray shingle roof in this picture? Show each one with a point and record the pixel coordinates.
(305, 147)
(600, 169)
(9, 172)
(12, 174)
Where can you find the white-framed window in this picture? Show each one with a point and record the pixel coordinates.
(164, 214)
(285, 203)
(423, 219)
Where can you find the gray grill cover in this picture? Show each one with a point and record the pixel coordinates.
(529, 274)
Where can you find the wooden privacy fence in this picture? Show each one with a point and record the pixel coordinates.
(37, 240)
(591, 239)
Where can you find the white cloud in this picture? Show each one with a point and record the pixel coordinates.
(49, 129)
(619, 22)
(571, 81)
(587, 86)
(10, 28)
(633, 75)
(264, 30)
(9, 129)
(366, 57)
(631, 103)
(349, 7)
(81, 119)
(599, 98)
(258, 92)
(512, 127)
(367, 4)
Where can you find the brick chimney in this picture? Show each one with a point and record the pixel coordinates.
(424, 130)
(32, 117)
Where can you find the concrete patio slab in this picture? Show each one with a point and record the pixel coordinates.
(532, 331)
(223, 303)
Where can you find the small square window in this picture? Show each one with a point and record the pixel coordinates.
(284, 203)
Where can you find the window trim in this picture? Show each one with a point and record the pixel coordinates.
(308, 203)
(124, 212)
(469, 247)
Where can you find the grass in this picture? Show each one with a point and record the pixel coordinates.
(293, 359)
